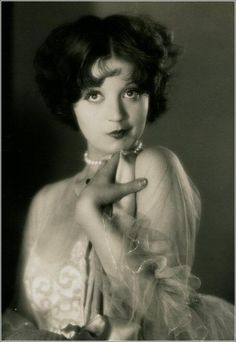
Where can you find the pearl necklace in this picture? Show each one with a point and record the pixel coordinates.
(136, 150)
(92, 162)
(89, 161)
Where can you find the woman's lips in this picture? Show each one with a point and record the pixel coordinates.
(119, 134)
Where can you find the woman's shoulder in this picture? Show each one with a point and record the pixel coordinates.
(165, 172)
(155, 159)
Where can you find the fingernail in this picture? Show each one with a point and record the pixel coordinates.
(142, 182)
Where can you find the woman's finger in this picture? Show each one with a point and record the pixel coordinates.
(118, 191)
(131, 187)
(108, 171)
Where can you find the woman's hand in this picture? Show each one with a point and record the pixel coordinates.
(103, 191)
(98, 195)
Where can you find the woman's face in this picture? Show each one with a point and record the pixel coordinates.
(112, 117)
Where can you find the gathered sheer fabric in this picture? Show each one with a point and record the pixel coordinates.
(66, 285)
(162, 237)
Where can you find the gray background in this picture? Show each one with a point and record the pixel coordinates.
(198, 126)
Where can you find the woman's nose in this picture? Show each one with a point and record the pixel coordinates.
(116, 111)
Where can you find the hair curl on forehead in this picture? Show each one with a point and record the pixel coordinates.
(64, 62)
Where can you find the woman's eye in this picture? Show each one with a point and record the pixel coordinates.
(132, 94)
(93, 96)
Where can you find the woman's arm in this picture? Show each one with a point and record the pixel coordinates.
(108, 239)
(171, 203)
(151, 201)
(101, 193)
(168, 211)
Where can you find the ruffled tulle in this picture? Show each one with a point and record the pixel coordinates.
(163, 302)
(161, 294)
(156, 297)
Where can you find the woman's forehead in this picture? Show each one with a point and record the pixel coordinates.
(113, 66)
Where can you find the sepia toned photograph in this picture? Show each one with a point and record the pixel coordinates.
(118, 170)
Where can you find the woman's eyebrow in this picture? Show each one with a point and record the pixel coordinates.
(93, 88)
(131, 82)
(87, 90)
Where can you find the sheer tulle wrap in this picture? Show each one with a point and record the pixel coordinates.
(151, 294)
(162, 296)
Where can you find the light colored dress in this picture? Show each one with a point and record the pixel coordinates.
(65, 283)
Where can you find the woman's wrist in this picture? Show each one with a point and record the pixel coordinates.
(86, 212)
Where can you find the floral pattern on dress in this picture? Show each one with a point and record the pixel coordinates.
(58, 296)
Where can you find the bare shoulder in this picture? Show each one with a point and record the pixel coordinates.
(153, 160)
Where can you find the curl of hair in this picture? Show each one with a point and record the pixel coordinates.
(63, 63)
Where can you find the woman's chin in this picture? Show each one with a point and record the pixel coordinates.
(116, 146)
(120, 149)
(124, 145)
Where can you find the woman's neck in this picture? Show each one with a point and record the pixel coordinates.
(96, 155)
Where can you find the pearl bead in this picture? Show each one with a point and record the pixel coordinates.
(135, 150)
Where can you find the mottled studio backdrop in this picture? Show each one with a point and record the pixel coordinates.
(198, 126)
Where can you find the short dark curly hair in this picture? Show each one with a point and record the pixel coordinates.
(63, 63)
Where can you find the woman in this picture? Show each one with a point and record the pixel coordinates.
(107, 254)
